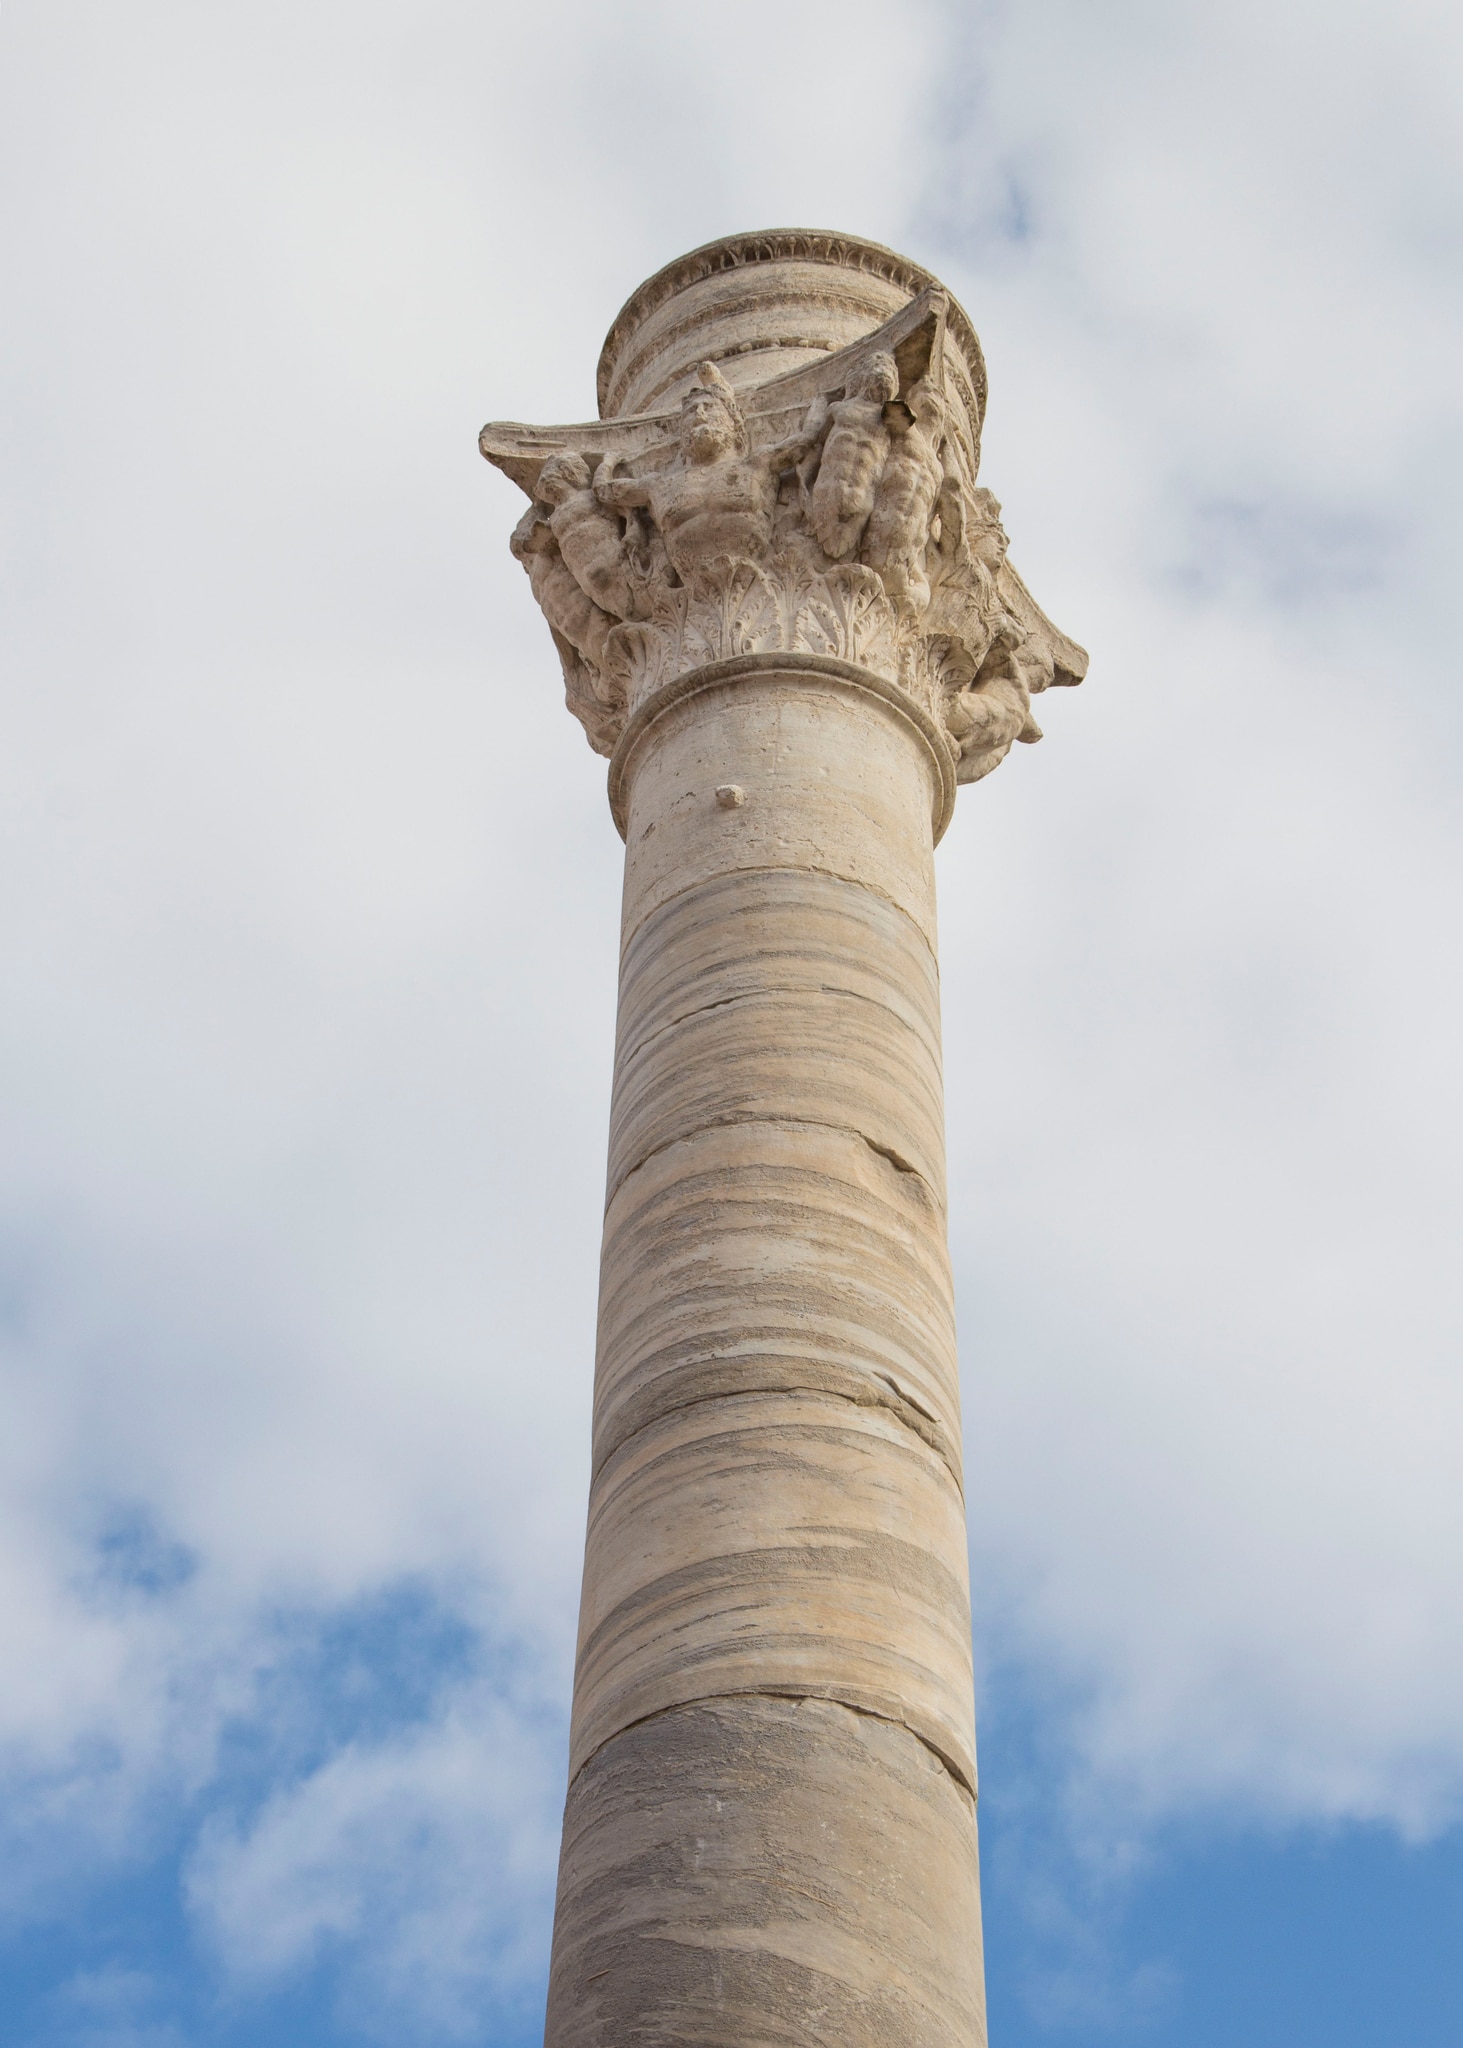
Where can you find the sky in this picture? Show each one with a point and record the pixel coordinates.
(308, 915)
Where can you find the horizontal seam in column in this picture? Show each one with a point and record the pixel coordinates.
(802, 1123)
(771, 868)
(759, 995)
(770, 1692)
(812, 1391)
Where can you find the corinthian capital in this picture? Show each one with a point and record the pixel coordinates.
(787, 465)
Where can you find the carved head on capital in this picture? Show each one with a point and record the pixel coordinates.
(562, 476)
(879, 381)
(987, 536)
(713, 424)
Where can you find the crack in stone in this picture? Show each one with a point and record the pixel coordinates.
(805, 1123)
(827, 875)
(910, 1402)
(701, 1010)
(773, 1692)
(755, 995)
(895, 1159)
(932, 1436)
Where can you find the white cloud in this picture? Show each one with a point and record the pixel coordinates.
(1197, 949)
(433, 1854)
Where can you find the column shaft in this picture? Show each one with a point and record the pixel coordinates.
(770, 1828)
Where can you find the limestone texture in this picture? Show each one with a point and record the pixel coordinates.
(784, 611)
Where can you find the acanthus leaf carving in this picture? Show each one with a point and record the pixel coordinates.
(731, 608)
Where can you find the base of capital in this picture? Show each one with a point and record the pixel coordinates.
(799, 671)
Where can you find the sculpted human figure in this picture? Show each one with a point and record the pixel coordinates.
(898, 532)
(570, 610)
(590, 536)
(986, 720)
(717, 497)
(981, 551)
(854, 453)
(985, 537)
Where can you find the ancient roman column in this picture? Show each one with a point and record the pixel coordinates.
(784, 612)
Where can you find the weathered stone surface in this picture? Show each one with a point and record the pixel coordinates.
(793, 994)
(767, 1255)
(765, 1873)
(780, 1543)
(784, 610)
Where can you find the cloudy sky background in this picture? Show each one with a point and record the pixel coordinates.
(308, 907)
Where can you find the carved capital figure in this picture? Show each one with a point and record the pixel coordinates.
(829, 510)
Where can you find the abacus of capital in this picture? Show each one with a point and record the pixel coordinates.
(785, 612)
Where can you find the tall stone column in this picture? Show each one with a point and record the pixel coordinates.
(785, 613)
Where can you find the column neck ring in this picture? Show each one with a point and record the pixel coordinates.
(816, 669)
